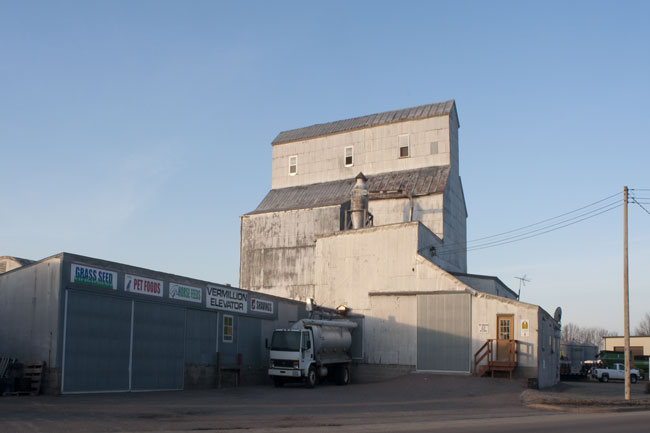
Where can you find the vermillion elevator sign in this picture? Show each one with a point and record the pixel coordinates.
(225, 298)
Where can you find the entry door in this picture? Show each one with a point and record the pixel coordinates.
(504, 334)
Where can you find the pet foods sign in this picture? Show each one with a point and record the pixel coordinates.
(144, 286)
(226, 298)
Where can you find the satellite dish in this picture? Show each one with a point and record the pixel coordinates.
(558, 314)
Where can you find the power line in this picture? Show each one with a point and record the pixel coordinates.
(522, 237)
(543, 221)
(634, 200)
(460, 246)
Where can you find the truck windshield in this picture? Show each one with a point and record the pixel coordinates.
(288, 341)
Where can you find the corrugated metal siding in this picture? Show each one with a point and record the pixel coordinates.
(158, 347)
(418, 182)
(200, 337)
(97, 343)
(251, 346)
(413, 113)
(443, 334)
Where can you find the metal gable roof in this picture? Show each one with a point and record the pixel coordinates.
(423, 181)
(413, 113)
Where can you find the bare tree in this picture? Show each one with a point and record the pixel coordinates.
(643, 328)
(572, 333)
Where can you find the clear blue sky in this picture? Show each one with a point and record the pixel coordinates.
(139, 131)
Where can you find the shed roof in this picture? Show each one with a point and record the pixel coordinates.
(22, 262)
(387, 117)
(418, 182)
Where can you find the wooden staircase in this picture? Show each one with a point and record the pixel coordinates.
(506, 362)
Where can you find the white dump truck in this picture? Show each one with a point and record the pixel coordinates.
(311, 350)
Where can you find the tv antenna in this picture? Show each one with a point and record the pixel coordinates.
(522, 282)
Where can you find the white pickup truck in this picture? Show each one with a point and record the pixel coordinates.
(618, 372)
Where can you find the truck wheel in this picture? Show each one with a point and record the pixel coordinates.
(311, 379)
(278, 382)
(605, 378)
(633, 378)
(343, 375)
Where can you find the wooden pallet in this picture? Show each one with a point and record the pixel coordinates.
(34, 372)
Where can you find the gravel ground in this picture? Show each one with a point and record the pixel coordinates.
(400, 404)
(589, 393)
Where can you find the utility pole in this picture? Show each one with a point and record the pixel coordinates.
(626, 300)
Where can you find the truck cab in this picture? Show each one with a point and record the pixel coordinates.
(291, 356)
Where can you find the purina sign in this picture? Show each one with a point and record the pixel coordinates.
(261, 306)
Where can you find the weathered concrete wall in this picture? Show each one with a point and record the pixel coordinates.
(368, 373)
(390, 331)
(376, 150)
(29, 308)
(277, 250)
(200, 376)
(353, 263)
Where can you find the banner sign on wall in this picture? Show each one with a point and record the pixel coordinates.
(225, 298)
(81, 274)
(185, 293)
(261, 306)
(525, 328)
(145, 286)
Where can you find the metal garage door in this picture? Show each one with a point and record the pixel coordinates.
(251, 346)
(158, 347)
(444, 332)
(97, 343)
(200, 337)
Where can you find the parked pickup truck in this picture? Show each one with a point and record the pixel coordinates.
(617, 372)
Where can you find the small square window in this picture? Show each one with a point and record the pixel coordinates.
(404, 146)
(293, 165)
(348, 156)
(227, 329)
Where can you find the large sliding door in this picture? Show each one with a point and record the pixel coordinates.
(97, 343)
(158, 347)
(443, 334)
(119, 344)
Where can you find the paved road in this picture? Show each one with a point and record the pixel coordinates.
(414, 403)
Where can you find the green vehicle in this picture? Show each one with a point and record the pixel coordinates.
(609, 358)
